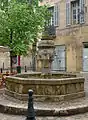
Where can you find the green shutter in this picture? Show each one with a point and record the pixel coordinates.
(82, 11)
(68, 12)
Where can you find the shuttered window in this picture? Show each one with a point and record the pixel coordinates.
(56, 15)
(51, 21)
(75, 12)
(75, 8)
(82, 11)
(68, 12)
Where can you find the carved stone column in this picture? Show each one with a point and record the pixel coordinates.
(45, 54)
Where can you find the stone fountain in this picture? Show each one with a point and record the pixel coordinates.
(45, 52)
(47, 85)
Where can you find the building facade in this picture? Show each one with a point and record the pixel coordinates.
(4, 57)
(70, 17)
(5, 61)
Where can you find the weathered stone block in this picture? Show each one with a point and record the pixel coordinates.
(57, 90)
(62, 90)
(78, 87)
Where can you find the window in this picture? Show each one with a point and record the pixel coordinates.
(67, 13)
(82, 11)
(75, 12)
(54, 15)
(51, 10)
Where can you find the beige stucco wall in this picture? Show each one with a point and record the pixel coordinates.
(26, 61)
(4, 60)
(73, 39)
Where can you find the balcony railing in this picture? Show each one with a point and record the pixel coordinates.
(49, 31)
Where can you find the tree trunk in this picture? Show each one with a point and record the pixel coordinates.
(34, 56)
(11, 64)
(11, 55)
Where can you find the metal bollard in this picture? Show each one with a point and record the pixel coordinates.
(25, 68)
(1, 70)
(30, 112)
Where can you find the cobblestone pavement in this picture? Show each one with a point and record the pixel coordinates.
(75, 117)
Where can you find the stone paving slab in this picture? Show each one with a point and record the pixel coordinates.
(16, 117)
(63, 108)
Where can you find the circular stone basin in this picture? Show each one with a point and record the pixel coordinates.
(46, 87)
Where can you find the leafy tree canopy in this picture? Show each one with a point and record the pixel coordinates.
(21, 21)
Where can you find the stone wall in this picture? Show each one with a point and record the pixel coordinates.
(4, 60)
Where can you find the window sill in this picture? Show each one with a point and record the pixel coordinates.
(75, 25)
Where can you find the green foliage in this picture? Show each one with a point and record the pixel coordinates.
(20, 24)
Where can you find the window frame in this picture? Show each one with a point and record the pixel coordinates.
(55, 15)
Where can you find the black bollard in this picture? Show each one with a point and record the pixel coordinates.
(25, 68)
(1, 70)
(30, 112)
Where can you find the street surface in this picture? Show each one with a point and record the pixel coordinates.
(75, 117)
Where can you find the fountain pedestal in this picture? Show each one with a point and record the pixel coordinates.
(45, 54)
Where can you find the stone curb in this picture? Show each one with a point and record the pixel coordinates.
(44, 112)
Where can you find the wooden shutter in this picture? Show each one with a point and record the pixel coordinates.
(68, 12)
(82, 11)
(56, 14)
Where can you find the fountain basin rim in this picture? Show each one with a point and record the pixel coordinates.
(52, 72)
(45, 81)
